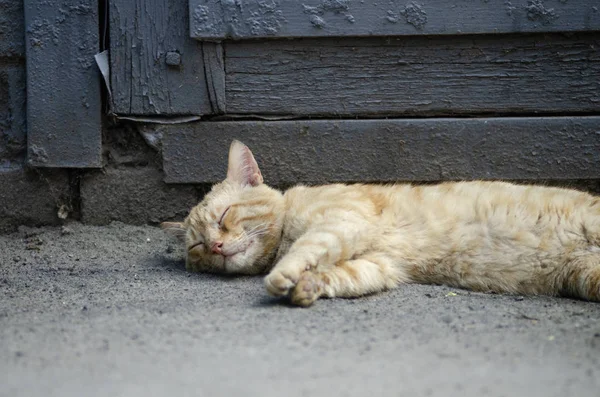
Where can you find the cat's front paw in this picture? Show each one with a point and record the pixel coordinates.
(280, 282)
(307, 290)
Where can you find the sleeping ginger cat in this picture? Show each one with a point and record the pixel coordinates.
(351, 240)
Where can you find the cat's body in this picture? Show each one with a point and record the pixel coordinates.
(351, 240)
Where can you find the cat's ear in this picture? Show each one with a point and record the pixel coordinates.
(242, 166)
(176, 229)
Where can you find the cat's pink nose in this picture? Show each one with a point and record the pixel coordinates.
(217, 247)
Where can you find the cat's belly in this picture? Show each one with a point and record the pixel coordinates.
(484, 257)
(501, 238)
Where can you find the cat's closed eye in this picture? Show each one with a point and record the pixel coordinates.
(195, 245)
(221, 225)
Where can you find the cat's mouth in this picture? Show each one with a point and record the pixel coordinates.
(231, 255)
(230, 258)
(240, 250)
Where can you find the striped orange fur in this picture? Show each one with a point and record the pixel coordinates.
(351, 240)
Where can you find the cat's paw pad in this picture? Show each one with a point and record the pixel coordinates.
(308, 289)
(280, 282)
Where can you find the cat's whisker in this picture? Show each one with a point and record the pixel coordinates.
(254, 232)
(258, 233)
(257, 229)
(259, 226)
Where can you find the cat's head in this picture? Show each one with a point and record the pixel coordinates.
(236, 228)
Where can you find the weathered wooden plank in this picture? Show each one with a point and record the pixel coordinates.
(215, 76)
(389, 150)
(243, 19)
(439, 75)
(63, 84)
(155, 67)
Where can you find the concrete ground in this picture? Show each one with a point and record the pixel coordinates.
(110, 311)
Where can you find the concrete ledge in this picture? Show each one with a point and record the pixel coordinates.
(32, 198)
(324, 151)
(133, 195)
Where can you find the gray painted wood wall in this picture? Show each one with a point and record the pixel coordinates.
(379, 91)
(64, 105)
(247, 19)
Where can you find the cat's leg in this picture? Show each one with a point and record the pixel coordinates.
(321, 247)
(580, 277)
(367, 274)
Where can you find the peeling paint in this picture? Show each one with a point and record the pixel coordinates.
(317, 21)
(261, 18)
(508, 6)
(336, 6)
(537, 12)
(79, 9)
(201, 16)
(42, 31)
(392, 17)
(230, 17)
(333, 7)
(415, 15)
(37, 154)
(86, 62)
(266, 20)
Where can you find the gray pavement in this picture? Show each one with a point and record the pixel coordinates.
(110, 311)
